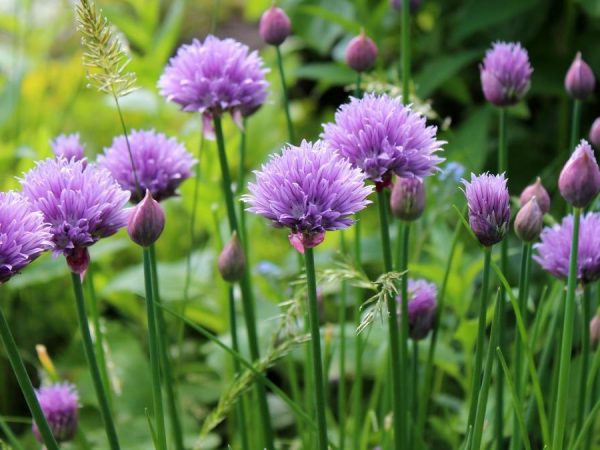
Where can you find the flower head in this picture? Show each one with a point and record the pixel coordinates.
(214, 77)
(81, 202)
(422, 307)
(529, 221)
(489, 210)
(505, 73)
(68, 146)
(146, 221)
(553, 252)
(161, 164)
(275, 26)
(310, 189)
(59, 403)
(579, 180)
(538, 191)
(580, 80)
(382, 137)
(361, 53)
(407, 201)
(595, 133)
(23, 234)
(232, 260)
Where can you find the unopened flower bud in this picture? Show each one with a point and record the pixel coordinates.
(413, 5)
(422, 308)
(580, 80)
(529, 221)
(275, 26)
(78, 260)
(361, 53)
(232, 260)
(579, 181)
(59, 403)
(595, 332)
(595, 133)
(408, 198)
(541, 195)
(146, 221)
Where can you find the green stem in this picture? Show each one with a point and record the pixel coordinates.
(240, 186)
(88, 348)
(516, 441)
(20, 372)
(284, 92)
(567, 340)
(404, 352)
(240, 416)
(405, 52)
(245, 284)
(10, 436)
(357, 387)
(575, 125)
(165, 361)
(476, 382)
(586, 306)
(138, 189)
(357, 90)
(313, 317)
(342, 376)
(153, 344)
(398, 378)
(415, 389)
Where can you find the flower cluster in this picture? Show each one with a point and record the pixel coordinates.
(309, 189)
(381, 136)
(59, 403)
(68, 146)
(161, 164)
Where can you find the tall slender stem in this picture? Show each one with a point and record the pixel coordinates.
(88, 348)
(575, 126)
(357, 388)
(313, 317)
(516, 442)
(404, 352)
(476, 382)
(20, 372)
(245, 284)
(406, 52)
(284, 94)
(502, 168)
(586, 306)
(342, 377)
(567, 340)
(357, 89)
(165, 361)
(414, 385)
(138, 189)
(153, 344)
(398, 379)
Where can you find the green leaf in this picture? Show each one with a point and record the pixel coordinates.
(437, 71)
(326, 72)
(349, 25)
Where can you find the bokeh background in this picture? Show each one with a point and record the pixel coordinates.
(43, 92)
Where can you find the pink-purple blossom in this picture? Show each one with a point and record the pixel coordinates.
(60, 404)
(68, 146)
(422, 307)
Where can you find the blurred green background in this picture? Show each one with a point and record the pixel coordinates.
(43, 93)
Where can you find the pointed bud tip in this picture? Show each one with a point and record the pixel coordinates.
(232, 261)
(538, 191)
(146, 221)
(580, 80)
(361, 53)
(579, 180)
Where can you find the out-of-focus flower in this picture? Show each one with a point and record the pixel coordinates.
(146, 221)
(68, 146)
(505, 73)
(275, 26)
(594, 332)
(361, 53)
(554, 249)
(59, 403)
(161, 164)
(407, 201)
(595, 133)
(541, 195)
(24, 235)
(579, 180)
(310, 189)
(489, 209)
(580, 80)
(232, 260)
(381, 136)
(422, 307)
(81, 202)
(529, 221)
(214, 77)
(413, 4)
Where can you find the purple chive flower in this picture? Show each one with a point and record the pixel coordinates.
(595, 133)
(422, 307)
(23, 234)
(554, 250)
(81, 202)
(529, 221)
(161, 164)
(146, 221)
(407, 201)
(232, 260)
(275, 26)
(68, 146)
(59, 403)
(310, 189)
(505, 73)
(361, 53)
(580, 80)
(489, 210)
(214, 77)
(380, 136)
(538, 191)
(579, 180)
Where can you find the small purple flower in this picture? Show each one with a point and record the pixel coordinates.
(553, 252)
(579, 180)
(529, 221)
(580, 80)
(214, 77)
(595, 133)
(380, 136)
(275, 26)
(81, 202)
(232, 261)
(161, 164)
(59, 403)
(146, 221)
(68, 146)
(422, 307)
(505, 73)
(361, 53)
(407, 200)
(23, 234)
(310, 189)
(538, 191)
(489, 210)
